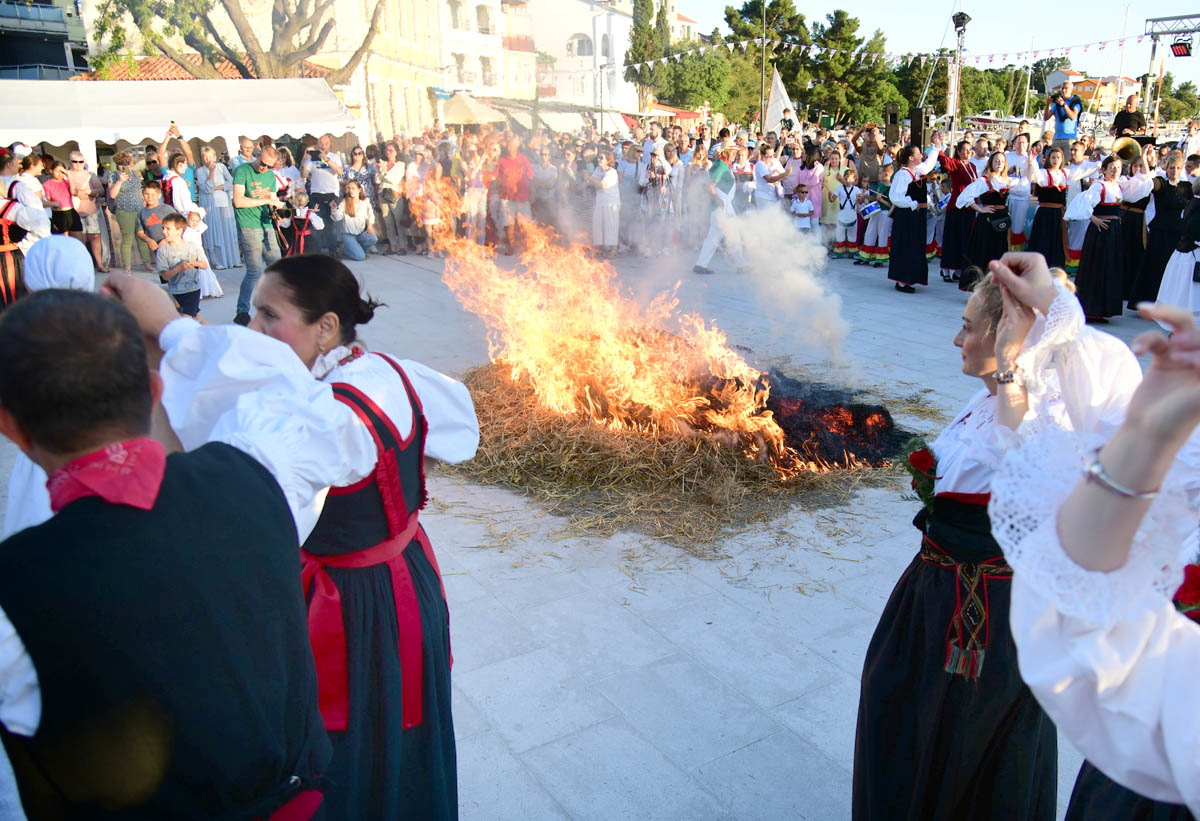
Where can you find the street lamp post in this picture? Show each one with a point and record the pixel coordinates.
(960, 21)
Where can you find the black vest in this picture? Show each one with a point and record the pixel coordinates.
(917, 191)
(171, 647)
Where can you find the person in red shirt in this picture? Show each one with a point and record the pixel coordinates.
(513, 173)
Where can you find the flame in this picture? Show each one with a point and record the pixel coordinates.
(562, 324)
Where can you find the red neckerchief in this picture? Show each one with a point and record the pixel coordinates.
(123, 473)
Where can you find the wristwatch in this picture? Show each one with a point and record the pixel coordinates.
(1008, 377)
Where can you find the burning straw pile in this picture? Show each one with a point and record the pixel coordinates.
(632, 416)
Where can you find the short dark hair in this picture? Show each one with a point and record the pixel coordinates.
(78, 375)
(152, 185)
(175, 219)
(319, 284)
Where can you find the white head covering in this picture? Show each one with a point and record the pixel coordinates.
(59, 262)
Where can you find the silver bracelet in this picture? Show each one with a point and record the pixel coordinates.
(1095, 473)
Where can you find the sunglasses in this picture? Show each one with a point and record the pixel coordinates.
(356, 153)
(77, 162)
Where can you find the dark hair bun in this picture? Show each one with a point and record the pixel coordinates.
(366, 310)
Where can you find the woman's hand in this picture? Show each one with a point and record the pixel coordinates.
(1015, 322)
(1101, 223)
(1027, 277)
(1166, 406)
(986, 209)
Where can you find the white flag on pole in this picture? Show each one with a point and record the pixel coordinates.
(777, 101)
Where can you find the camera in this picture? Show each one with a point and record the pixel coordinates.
(314, 153)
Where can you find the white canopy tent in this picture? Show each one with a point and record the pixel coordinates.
(63, 111)
(561, 121)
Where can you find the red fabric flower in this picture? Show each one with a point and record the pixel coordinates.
(922, 460)
(1187, 597)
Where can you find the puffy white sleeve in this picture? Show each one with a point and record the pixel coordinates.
(1093, 373)
(28, 502)
(1082, 206)
(898, 193)
(228, 384)
(1134, 188)
(1039, 176)
(971, 193)
(1081, 171)
(1106, 654)
(453, 434)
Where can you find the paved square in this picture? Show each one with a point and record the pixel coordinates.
(612, 678)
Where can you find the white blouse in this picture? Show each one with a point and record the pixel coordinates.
(1049, 178)
(1082, 206)
(364, 216)
(980, 187)
(898, 193)
(1018, 170)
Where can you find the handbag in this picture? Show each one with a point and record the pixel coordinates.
(387, 195)
(999, 222)
(1196, 272)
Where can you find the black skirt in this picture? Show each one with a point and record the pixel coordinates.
(954, 237)
(1133, 238)
(907, 263)
(64, 221)
(1049, 236)
(1097, 797)
(936, 745)
(985, 245)
(1159, 247)
(381, 770)
(1099, 281)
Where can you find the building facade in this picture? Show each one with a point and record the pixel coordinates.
(473, 47)
(41, 40)
(520, 55)
(586, 41)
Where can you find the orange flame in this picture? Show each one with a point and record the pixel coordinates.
(563, 325)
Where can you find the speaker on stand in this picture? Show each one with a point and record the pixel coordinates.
(891, 123)
(921, 119)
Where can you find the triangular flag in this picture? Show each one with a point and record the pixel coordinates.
(1035, 54)
(1102, 45)
(702, 49)
(923, 60)
(1140, 39)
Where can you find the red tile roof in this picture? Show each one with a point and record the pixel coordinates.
(683, 19)
(164, 68)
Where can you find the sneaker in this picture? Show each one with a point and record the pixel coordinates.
(242, 318)
(700, 269)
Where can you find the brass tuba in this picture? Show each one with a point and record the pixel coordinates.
(1127, 148)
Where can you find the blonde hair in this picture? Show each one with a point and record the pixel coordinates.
(207, 151)
(991, 305)
(300, 199)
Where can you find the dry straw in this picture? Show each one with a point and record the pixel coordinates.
(689, 490)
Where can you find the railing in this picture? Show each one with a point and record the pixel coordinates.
(519, 43)
(40, 14)
(466, 76)
(485, 29)
(489, 78)
(36, 71)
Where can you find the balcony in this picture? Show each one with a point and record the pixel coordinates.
(519, 43)
(30, 18)
(37, 71)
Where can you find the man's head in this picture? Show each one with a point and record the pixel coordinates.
(268, 156)
(81, 381)
(152, 194)
(1078, 151)
(1193, 125)
(9, 164)
(655, 131)
(1191, 163)
(325, 143)
(247, 147)
(1067, 89)
(1131, 102)
(981, 148)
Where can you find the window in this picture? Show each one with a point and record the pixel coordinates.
(486, 75)
(579, 45)
(457, 18)
(604, 47)
(483, 19)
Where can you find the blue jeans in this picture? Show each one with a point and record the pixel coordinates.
(259, 249)
(355, 246)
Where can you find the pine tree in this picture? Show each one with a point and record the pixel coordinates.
(786, 26)
(661, 74)
(642, 49)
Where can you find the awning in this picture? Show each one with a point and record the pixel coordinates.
(564, 121)
(611, 121)
(630, 121)
(62, 111)
(523, 118)
(464, 109)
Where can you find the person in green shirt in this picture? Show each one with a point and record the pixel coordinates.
(254, 194)
(721, 187)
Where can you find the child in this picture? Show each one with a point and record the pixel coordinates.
(179, 264)
(298, 229)
(878, 237)
(845, 234)
(939, 201)
(802, 208)
(210, 288)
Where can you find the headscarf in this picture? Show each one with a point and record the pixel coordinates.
(59, 261)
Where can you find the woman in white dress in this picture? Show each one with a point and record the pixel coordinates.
(1179, 286)
(1098, 534)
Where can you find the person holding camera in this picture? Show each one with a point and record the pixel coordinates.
(322, 170)
(1065, 107)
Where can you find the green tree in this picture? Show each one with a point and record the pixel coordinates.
(643, 47)
(299, 30)
(982, 90)
(744, 84)
(661, 73)
(784, 25)
(697, 79)
(837, 70)
(912, 76)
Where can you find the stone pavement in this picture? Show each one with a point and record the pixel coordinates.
(622, 678)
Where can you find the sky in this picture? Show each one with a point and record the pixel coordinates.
(999, 27)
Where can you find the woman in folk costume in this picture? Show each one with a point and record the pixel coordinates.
(1019, 187)
(1102, 261)
(1172, 192)
(1048, 236)
(988, 198)
(1179, 286)
(958, 220)
(946, 727)
(1081, 173)
(1133, 221)
(53, 262)
(907, 265)
(377, 612)
(1103, 647)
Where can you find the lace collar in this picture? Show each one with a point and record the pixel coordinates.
(332, 359)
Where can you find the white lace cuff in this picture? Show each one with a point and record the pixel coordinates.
(1031, 485)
